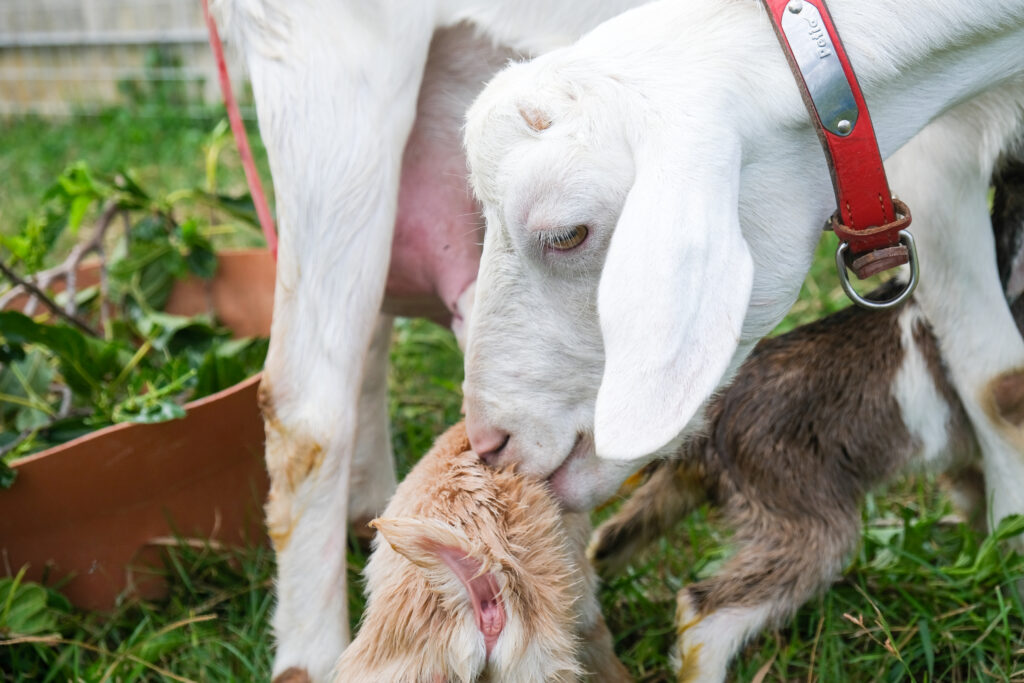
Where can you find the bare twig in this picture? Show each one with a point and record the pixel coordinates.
(67, 270)
(81, 250)
(104, 290)
(41, 296)
(65, 400)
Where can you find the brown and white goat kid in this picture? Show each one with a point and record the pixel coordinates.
(813, 420)
(476, 575)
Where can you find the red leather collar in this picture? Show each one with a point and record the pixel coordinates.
(868, 220)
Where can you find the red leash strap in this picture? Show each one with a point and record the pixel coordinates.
(252, 177)
(869, 222)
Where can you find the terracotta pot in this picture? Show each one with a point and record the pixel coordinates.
(94, 511)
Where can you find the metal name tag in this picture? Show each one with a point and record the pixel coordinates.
(816, 58)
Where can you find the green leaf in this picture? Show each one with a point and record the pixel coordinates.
(149, 412)
(198, 252)
(7, 475)
(23, 384)
(37, 238)
(24, 608)
(126, 183)
(147, 273)
(228, 363)
(987, 559)
(240, 206)
(86, 363)
(202, 261)
(218, 372)
(10, 353)
(61, 432)
(79, 205)
(77, 180)
(1008, 527)
(20, 246)
(28, 419)
(149, 229)
(175, 333)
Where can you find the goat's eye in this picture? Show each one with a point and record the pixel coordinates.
(565, 240)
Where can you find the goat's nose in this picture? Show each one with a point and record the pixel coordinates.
(487, 440)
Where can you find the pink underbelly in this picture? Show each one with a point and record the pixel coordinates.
(435, 252)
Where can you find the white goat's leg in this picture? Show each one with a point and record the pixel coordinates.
(335, 86)
(943, 174)
(372, 479)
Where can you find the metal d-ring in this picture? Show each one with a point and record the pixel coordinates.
(844, 278)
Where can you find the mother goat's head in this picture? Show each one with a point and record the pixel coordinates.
(615, 279)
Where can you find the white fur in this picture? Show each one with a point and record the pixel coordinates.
(706, 87)
(706, 645)
(943, 174)
(336, 85)
(646, 337)
(926, 414)
(373, 466)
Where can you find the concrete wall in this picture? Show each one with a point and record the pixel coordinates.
(62, 56)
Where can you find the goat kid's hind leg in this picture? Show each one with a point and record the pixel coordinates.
(944, 174)
(672, 491)
(596, 651)
(779, 564)
(335, 84)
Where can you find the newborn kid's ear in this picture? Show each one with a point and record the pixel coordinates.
(452, 566)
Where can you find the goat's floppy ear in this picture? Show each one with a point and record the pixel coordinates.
(672, 297)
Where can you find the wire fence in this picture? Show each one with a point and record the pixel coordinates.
(63, 57)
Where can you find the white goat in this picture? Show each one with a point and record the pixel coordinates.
(360, 107)
(653, 195)
(355, 141)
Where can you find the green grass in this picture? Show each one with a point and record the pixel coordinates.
(923, 599)
(164, 150)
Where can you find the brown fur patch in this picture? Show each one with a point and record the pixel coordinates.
(966, 486)
(291, 459)
(293, 675)
(1007, 391)
(534, 118)
(958, 429)
(809, 424)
